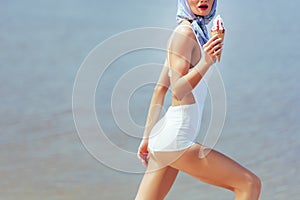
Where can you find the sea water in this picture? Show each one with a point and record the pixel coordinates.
(43, 44)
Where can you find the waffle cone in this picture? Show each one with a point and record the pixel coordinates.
(221, 34)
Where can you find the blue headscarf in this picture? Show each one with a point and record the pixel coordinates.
(198, 22)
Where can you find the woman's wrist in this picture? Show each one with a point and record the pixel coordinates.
(203, 66)
(145, 137)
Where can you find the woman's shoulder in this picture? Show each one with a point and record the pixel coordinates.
(185, 29)
(183, 37)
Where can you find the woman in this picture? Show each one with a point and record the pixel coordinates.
(168, 144)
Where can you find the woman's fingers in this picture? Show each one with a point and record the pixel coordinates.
(143, 153)
(145, 160)
(218, 52)
(144, 157)
(214, 43)
(211, 40)
(213, 47)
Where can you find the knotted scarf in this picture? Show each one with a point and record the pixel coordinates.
(198, 22)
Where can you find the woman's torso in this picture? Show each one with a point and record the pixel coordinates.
(195, 58)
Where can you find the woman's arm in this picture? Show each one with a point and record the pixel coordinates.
(156, 104)
(182, 45)
(157, 100)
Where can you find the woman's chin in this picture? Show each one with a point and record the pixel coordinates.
(201, 13)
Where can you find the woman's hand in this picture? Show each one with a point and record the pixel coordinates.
(212, 49)
(143, 153)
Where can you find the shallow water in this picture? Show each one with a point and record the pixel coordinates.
(43, 44)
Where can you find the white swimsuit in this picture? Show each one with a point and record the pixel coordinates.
(180, 126)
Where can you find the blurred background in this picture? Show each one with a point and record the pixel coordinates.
(43, 44)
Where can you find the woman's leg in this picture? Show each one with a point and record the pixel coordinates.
(217, 169)
(167, 182)
(157, 181)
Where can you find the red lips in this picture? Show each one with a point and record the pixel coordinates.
(203, 6)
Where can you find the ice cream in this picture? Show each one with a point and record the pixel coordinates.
(218, 29)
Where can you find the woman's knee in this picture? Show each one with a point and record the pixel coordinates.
(252, 183)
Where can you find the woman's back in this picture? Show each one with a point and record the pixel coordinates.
(186, 54)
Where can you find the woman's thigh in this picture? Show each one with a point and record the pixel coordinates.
(157, 181)
(213, 168)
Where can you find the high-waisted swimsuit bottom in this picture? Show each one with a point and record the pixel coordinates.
(180, 126)
(177, 130)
